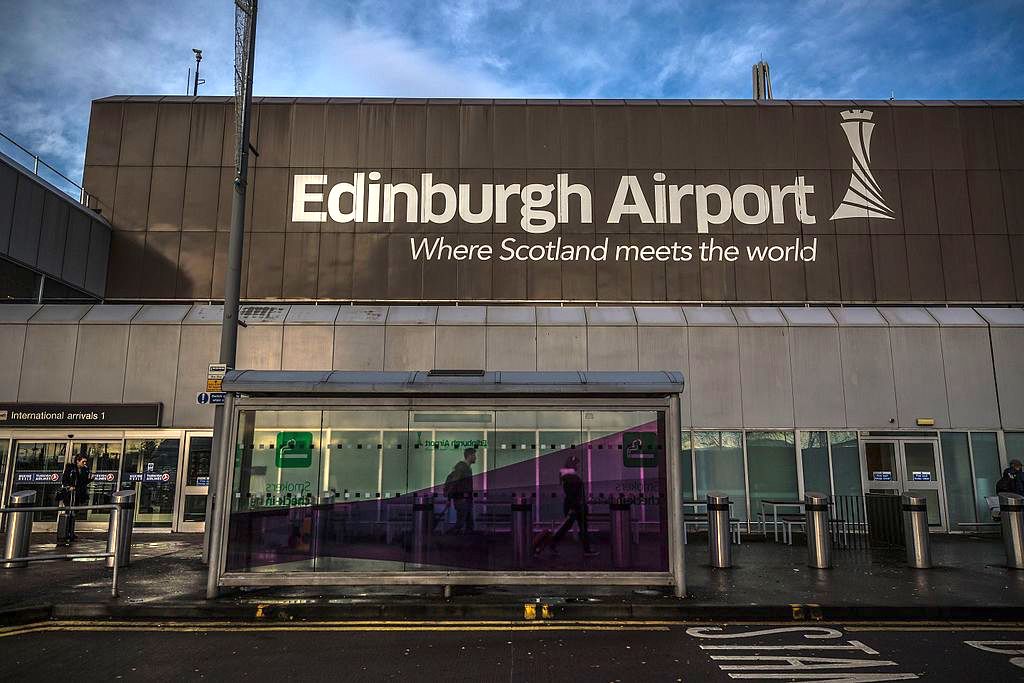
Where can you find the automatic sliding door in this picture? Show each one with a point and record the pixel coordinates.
(38, 466)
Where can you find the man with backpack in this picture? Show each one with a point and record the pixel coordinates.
(1012, 480)
(458, 489)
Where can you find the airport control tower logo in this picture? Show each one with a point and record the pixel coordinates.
(864, 197)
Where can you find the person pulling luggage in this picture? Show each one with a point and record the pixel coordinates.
(75, 481)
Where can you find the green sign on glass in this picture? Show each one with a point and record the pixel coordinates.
(640, 449)
(294, 449)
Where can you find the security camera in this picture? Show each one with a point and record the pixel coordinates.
(199, 53)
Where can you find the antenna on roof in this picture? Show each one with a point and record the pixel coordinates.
(762, 81)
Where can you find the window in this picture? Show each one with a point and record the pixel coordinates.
(686, 467)
(151, 470)
(771, 467)
(956, 466)
(814, 459)
(719, 458)
(986, 470)
(846, 476)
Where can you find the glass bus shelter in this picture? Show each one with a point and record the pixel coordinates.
(356, 478)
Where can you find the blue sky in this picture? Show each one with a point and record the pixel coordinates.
(57, 55)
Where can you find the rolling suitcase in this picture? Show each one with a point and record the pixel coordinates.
(66, 521)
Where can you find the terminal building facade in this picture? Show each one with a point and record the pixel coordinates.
(839, 282)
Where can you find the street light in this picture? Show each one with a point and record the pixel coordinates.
(198, 81)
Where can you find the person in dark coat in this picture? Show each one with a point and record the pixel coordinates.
(458, 488)
(76, 479)
(574, 506)
(1012, 480)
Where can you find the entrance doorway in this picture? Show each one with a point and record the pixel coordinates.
(195, 482)
(909, 465)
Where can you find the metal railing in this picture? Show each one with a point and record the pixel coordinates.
(119, 533)
(31, 162)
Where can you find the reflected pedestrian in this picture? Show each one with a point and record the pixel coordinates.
(458, 489)
(574, 506)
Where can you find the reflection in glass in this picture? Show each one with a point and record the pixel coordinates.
(104, 458)
(771, 467)
(881, 461)
(38, 466)
(956, 465)
(846, 475)
(151, 470)
(719, 457)
(814, 459)
(986, 470)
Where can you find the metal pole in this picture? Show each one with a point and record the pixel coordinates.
(1011, 517)
(719, 539)
(915, 529)
(232, 285)
(195, 83)
(673, 488)
(19, 528)
(819, 538)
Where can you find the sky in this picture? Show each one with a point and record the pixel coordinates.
(58, 55)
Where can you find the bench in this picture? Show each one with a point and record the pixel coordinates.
(982, 527)
(699, 522)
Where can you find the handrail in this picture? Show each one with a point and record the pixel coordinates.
(58, 508)
(83, 196)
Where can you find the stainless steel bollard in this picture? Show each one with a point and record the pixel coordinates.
(819, 540)
(522, 528)
(719, 538)
(1011, 517)
(119, 528)
(19, 528)
(622, 536)
(915, 531)
(422, 523)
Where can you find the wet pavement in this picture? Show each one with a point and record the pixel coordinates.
(489, 651)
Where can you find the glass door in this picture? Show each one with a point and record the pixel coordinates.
(38, 466)
(882, 467)
(104, 459)
(195, 485)
(151, 470)
(897, 466)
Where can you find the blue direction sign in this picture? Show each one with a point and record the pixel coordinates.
(210, 398)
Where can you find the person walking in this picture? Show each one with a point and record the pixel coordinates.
(574, 506)
(458, 489)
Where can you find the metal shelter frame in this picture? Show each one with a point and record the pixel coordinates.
(314, 390)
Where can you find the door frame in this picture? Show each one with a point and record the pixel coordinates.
(901, 484)
(180, 525)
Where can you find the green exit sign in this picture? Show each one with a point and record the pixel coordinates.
(294, 449)
(640, 449)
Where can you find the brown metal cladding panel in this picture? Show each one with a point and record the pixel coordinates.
(710, 137)
(270, 199)
(741, 135)
(100, 183)
(160, 265)
(508, 278)
(611, 136)
(301, 261)
(124, 269)
(1013, 200)
(76, 244)
(606, 183)
(476, 136)
(442, 149)
(790, 224)
(370, 269)
(960, 267)
(844, 226)
(682, 278)
(402, 222)
(206, 139)
(173, 121)
(952, 203)
(579, 278)
(819, 203)
(512, 145)
(131, 198)
(220, 264)
(823, 274)
(53, 234)
(1017, 254)
(202, 194)
(575, 225)
(543, 130)
(892, 280)
(8, 191)
(28, 216)
(577, 135)
(995, 267)
(404, 276)
(375, 135)
(789, 282)
(710, 177)
(648, 278)
(753, 282)
(475, 277)
(102, 147)
(311, 226)
(750, 202)
(889, 181)
(614, 282)
(165, 198)
(227, 198)
(274, 135)
(924, 268)
(138, 134)
(195, 265)
(913, 142)
(307, 135)
(943, 137)
(856, 276)
(1009, 125)
(775, 136)
(810, 138)
(917, 192)
(334, 278)
(644, 124)
(476, 178)
(988, 215)
(451, 177)
(979, 138)
(410, 139)
(677, 136)
(717, 277)
(883, 140)
(440, 278)
(341, 137)
(543, 278)
(266, 265)
(227, 157)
